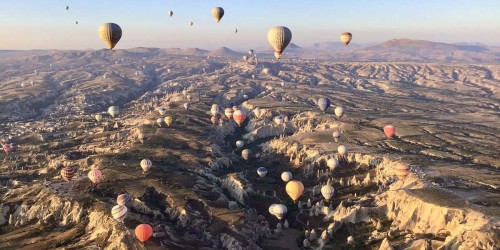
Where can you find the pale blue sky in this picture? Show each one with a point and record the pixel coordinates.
(45, 24)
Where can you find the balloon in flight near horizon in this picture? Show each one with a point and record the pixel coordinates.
(279, 37)
(217, 13)
(250, 52)
(110, 33)
(170, 13)
(191, 24)
(346, 38)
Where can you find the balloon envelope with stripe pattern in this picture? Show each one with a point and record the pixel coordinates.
(119, 212)
(67, 173)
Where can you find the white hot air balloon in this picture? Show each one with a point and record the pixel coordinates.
(278, 120)
(278, 210)
(146, 165)
(279, 37)
(159, 121)
(336, 135)
(342, 150)
(162, 111)
(286, 176)
(332, 163)
(327, 191)
(240, 144)
(114, 111)
(339, 111)
(98, 117)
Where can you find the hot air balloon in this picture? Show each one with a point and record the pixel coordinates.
(67, 7)
(402, 171)
(110, 33)
(278, 210)
(214, 120)
(257, 112)
(98, 117)
(119, 212)
(342, 150)
(327, 191)
(7, 149)
(336, 135)
(245, 58)
(217, 13)
(235, 31)
(323, 103)
(76, 22)
(235, 107)
(250, 52)
(262, 171)
(346, 38)
(170, 13)
(143, 232)
(350, 240)
(162, 111)
(67, 173)
(339, 111)
(239, 116)
(229, 113)
(187, 105)
(184, 92)
(124, 199)
(114, 111)
(142, 137)
(279, 37)
(294, 189)
(389, 131)
(240, 144)
(215, 109)
(332, 163)
(159, 121)
(95, 175)
(191, 24)
(286, 176)
(146, 164)
(278, 120)
(168, 120)
(246, 154)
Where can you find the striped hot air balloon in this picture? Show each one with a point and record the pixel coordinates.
(146, 164)
(95, 176)
(110, 34)
(123, 199)
(119, 212)
(143, 232)
(67, 173)
(402, 171)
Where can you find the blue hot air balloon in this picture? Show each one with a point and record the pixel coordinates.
(262, 171)
(323, 103)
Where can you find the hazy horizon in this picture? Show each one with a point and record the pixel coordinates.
(35, 24)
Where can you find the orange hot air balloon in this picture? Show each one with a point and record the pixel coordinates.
(294, 189)
(402, 171)
(214, 120)
(67, 173)
(95, 176)
(389, 131)
(239, 116)
(143, 232)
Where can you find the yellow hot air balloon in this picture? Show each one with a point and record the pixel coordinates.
(168, 120)
(217, 13)
(346, 38)
(110, 33)
(279, 37)
(294, 189)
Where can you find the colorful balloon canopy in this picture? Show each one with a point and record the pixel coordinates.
(95, 176)
(239, 117)
(123, 199)
(119, 212)
(67, 173)
(402, 171)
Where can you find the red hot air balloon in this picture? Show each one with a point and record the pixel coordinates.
(67, 173)
(143, 232)
(95, 176)
(7, 149)
(389, 131)
(239, 116)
